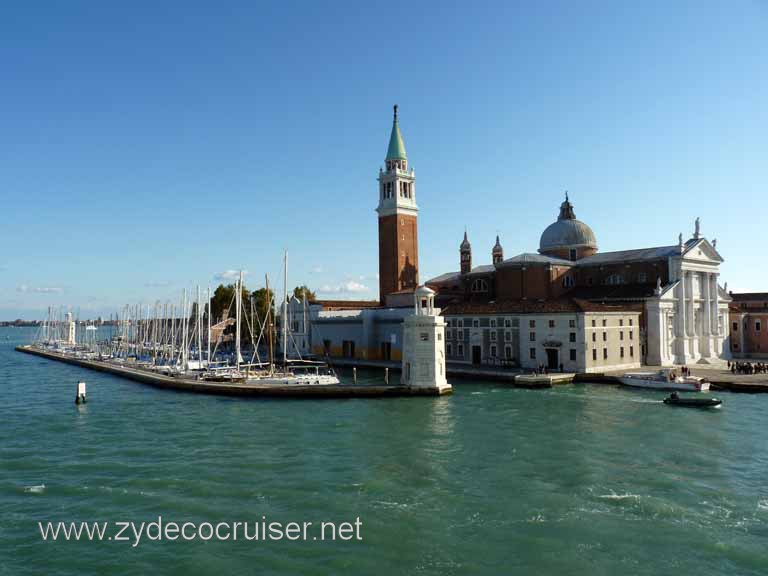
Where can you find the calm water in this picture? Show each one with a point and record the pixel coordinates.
(575, 480)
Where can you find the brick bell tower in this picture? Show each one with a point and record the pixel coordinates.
(398, 229)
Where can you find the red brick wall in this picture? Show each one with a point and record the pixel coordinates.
(398, 253)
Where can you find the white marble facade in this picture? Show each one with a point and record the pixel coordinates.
(687, 319)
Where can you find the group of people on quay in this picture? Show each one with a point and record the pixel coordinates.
(748, 367)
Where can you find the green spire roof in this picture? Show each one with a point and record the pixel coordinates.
(396, 150)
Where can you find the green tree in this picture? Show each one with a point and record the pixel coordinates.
(302, 291)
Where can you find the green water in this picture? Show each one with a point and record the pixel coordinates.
(582, 479)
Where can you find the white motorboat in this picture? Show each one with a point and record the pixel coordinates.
(664, 380)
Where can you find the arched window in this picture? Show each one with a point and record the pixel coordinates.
(568, 281)
(479, 285)
(614, 280)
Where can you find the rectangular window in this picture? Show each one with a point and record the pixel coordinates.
(475, 323)
(605, 322)
(493, 351)
(631, 322)
(448, 349)
(757, 326)
(424, 336)
(493, 323)
(593, 324)
(507, 323)
(532, 336)
(551, 323)
(532, 323)
(594, 336)
(631, 351)
(605, 353)
(461, 323)
(439, 336)
(571, 323)
(572, 337)
(594, 354)
(493, 336)
(461, 350)
(621, 322)
(532, 352)
(508, 352)
(735, 326)
(621, 335)
(507, 335)
(573, 354)
(630, 334)
(621, 351)
(605, 336)
(466, 333)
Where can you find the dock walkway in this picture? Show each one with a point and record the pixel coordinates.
(239, 389)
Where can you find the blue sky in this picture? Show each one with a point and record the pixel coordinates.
(151, 146)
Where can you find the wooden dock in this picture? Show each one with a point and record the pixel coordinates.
(238, 388)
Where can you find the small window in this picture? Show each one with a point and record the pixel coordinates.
(757, 326)
(594, 336)
(461, 350)
(571, 323)
(605, 353)
(493, 351)
(532, 353)
(573, 355)
(479, 285)
(735, 326)
(507, 335)
(449, 349)
(532, 323)
(508, 352)
(567, 281)
(621, 335)
(621, 321)
(493, 323)
(631, 351)
(493, 336)
(642, 278)
(621, 351)
(605, 322)
(551, 323)
(593, 323)
(631, 322)
(439, 336)
(424, 336)
(532, 336)
(605, 336)
(572, 337)
(507, 323)
(594, 354)
(461, 323)
(475, 323)
(630, 334)
(572, 253)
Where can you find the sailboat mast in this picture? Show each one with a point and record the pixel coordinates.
(237, 317)
(269, 325)
(199, 322)
(209, 325)
(285, 310)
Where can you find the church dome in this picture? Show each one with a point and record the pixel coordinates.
(567, 232)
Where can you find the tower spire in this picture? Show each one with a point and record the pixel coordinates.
(396, 150)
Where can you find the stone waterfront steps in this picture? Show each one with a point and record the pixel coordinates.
(241, 389)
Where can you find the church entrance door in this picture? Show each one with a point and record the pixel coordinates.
(477, 355)
(552, 358)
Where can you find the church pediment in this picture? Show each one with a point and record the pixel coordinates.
(702, 251)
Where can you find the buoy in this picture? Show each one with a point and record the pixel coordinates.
(354, 374)
(386, 375)
(80, 395)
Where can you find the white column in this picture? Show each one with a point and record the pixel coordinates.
(705, 340)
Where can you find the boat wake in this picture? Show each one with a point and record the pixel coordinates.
(39, 489)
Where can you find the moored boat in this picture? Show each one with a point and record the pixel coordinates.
(664, 380)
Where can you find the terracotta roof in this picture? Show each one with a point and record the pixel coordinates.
(563, 305)
(749, 296)
(347, 304)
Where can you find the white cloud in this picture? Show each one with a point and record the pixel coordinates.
(39, 289)
(348, 287)
(157, 284)
(229, 275)
(317, 269)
